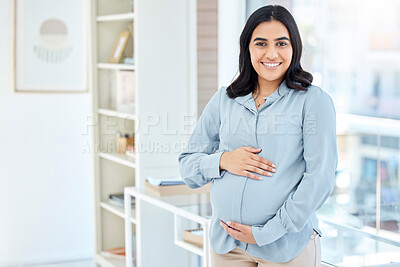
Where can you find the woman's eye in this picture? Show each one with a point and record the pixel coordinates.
(282, 44)
(261, 44)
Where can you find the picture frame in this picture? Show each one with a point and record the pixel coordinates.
(50, 51)
(119, 47)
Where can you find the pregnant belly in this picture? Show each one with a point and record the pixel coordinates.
(262, 199)
(248, 201)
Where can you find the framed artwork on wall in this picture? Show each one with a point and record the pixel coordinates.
(50, 52)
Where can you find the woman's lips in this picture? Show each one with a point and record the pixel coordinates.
(271, 65)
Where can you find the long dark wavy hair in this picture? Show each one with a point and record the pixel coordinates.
(295, 76)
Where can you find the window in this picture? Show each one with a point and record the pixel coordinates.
(352, 48)
(353, 56)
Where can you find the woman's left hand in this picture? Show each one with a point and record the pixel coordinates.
(239, 231)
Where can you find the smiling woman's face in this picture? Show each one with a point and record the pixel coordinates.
(270, 52)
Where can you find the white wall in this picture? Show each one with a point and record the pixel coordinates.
(46, 212)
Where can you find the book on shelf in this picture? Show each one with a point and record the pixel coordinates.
(125, 91)
(175, 189)
(118, 200)
(116, 253)
(165, 181)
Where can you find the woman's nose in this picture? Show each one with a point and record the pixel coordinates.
(271, 53)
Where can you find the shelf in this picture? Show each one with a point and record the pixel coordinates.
(119, 158)
(118, 114)
(116, 17)
(118, 211)
(190, 247)
(114, 66)
(109, 262)
(187, 206)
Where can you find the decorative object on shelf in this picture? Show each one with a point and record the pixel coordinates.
(125, 91)
(119, 47)
(130, 151)
(194, 236)
(121, 143)
(49, 46)
(118, 200)
(130, 140)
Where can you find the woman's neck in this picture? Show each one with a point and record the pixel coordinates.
(266, 88)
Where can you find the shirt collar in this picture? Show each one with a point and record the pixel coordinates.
(282, 90)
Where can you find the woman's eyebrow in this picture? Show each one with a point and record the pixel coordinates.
(277, 39)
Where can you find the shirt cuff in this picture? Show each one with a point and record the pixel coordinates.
(209, 166)
(268, 233)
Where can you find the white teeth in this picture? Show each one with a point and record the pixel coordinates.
(271, 64)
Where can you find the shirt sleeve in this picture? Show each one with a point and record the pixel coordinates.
(199, 162)
(318, 181)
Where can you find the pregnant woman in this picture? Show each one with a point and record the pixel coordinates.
(267, 143)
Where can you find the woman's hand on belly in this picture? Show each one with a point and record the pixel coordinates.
(239, 231)
(243, 161)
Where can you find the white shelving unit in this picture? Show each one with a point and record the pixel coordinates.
(113, 171)
(163, 45)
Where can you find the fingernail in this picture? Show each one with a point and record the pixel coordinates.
(269, 174)
(228, 222)
(274, 170)
(273, 165)
(259, 178)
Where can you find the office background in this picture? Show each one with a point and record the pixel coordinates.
(45, 185)
(351, 47)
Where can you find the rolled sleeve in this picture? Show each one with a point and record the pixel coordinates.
(317, 183)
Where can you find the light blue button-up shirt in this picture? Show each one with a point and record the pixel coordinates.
(296, 131)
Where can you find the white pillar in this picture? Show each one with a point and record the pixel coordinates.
(231, 19)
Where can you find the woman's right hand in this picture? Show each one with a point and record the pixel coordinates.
(243, 161)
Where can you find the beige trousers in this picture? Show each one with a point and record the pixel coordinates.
(309, 257)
